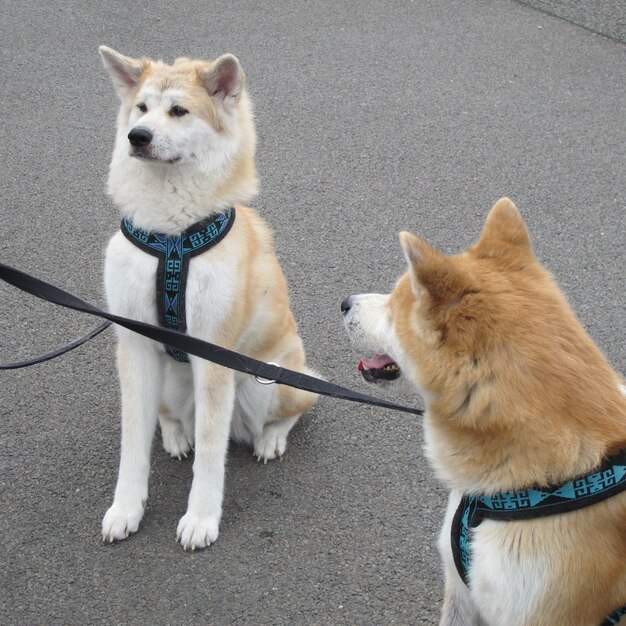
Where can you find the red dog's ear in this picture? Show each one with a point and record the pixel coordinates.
(124, 71)
(434, 273)
(416, 251)
(504, 233)
(224, 79)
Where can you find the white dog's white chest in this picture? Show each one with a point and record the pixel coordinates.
(130, 283)
(130, 280)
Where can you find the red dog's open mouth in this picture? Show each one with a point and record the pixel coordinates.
(378, 368)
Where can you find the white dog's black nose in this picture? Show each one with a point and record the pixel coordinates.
(346, 305)
(139, 136)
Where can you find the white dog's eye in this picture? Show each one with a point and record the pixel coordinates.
(142, 107)
(177, 111)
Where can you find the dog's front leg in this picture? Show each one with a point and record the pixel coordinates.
(140, 373)
(214, 394)
(458, 608)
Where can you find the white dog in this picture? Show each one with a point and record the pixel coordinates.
(183, 161)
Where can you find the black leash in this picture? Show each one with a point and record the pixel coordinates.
(59, 351)
(191, 345)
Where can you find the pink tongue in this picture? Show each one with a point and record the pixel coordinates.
(378, 361)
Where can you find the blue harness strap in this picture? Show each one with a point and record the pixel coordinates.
(614, 618)
(607, 481)
(174, 253)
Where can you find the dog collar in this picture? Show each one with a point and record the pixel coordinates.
(607, 481)
(174, 253)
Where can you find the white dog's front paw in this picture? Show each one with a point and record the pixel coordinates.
(121, 521)
(197, 531)
(270, 445)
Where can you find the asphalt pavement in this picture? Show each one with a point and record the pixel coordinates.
(373, 117)
(599, 16)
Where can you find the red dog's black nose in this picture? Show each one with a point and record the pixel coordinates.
(139, 136)
(346, 305)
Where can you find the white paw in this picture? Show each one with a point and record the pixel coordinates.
(197, 531)
(270, 445)
(121, 521)
(175, 442)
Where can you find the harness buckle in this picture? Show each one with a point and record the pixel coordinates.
(266, 381)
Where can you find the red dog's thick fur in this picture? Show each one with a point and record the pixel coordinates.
(517, 395)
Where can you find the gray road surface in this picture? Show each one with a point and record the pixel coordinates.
(373, 117)
(600, 16)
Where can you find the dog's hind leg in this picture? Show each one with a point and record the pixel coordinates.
(253, 402)
(176, 411)
(288, 404)
(271, 442)
(264, 415)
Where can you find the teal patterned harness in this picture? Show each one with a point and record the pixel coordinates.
(174, 253)
(607, 481)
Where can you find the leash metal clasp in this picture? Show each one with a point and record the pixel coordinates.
(266, 381)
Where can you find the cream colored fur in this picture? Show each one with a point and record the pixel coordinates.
(197, 163)
(517, 394)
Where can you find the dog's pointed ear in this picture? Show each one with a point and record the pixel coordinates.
(224, 79)
(124, 71)
(504, 233)
(434, 273)
(416, 252)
